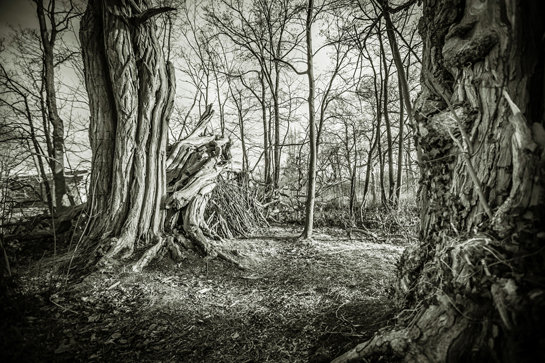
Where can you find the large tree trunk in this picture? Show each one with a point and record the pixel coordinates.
(141, 193)
(130, 93)
(474, 287)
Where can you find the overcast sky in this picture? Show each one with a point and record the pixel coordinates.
(17, 12)
(23, 13)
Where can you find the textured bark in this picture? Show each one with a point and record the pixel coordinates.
(474, 286)
(131, 91)
(192, 167)
(140, 191)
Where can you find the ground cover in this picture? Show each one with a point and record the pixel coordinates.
(297, 302)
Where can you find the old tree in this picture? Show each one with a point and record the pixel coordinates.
(474, 287)
(140, 187)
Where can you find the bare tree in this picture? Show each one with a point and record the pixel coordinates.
(32, 93)
(309, 215)
(262, 30)
(16, 97)
(53, 22)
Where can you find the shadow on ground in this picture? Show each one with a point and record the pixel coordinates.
(298, 302)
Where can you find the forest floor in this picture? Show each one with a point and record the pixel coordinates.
(297, 302)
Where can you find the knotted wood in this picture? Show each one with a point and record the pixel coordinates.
(471, 290)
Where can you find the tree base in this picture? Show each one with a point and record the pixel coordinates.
(428, 338)
(470, 305)
(173, 244)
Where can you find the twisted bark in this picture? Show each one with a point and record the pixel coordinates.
(473, 288)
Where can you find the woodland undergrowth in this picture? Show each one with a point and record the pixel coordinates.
(297, 302)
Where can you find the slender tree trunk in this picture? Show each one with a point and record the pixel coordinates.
(377, 85)
(353, 177)
(39, 155)
(409, 168)
(277, 146)
(373, 187)
(221, 106)
(48, 38)
(400, 146)
(375, 141)
(349, 167)
(238, 104)
(400, 71)
(391, 182)
(309, 217)
(381, 157)
(266, 148)
(245, 164)
(368, 169)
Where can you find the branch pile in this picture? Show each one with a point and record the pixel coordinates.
(192, 168)
(233, 210)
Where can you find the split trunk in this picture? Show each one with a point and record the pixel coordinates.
(136, 184)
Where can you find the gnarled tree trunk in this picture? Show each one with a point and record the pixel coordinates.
(131, 93)
(192, 167)
(474, 286)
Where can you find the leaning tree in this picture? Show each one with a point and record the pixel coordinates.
(473, 288)
(138, 185)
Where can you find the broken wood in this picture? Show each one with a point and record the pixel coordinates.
(193, 166)
(64, 222)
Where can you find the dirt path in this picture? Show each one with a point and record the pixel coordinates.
(297, 303)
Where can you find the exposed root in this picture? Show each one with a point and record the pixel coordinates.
(391, 343)
(232, 260)
(209, 250)
(472, 298)
(427, 339)
(150, 254)
(123, 244)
